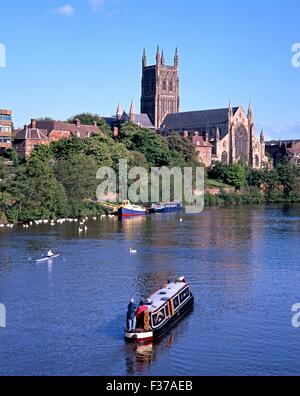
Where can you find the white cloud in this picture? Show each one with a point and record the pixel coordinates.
(97, 5)
(66, 10)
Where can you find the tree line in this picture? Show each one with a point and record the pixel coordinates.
(59, 180)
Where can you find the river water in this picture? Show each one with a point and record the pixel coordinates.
(67, 318)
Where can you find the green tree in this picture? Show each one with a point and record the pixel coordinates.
(184, 148)
(236, 176)
(79, 180)
(42, 195)
(147, 142)
(287, 174)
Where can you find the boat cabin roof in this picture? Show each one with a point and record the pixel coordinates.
(160, 297)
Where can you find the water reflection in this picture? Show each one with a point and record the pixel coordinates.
(139, 357)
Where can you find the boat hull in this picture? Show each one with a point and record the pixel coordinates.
(141, 337)
(123, 212)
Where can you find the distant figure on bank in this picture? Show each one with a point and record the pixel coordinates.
(50, 254)
(131, 316)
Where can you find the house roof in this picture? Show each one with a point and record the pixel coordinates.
(84, 130)
(44, 128)
(143, 120)
(140, 119)
(200, 142)
(31, 133)
(196, 119)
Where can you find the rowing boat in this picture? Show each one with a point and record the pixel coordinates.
(47, 258)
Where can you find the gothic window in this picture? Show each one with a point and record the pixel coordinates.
(241, 142)
(257, 161)
(164, 85)
(224, 158)
(171, 86)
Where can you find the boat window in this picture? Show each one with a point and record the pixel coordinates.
(167, 311)
(159, 317)
(176, 302)
(184, 295)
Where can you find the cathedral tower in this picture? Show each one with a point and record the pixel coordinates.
(160, 88)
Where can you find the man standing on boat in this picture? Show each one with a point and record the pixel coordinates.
(131, 316)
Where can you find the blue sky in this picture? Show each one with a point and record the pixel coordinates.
(69, 56)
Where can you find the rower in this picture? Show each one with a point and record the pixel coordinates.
(50, 254)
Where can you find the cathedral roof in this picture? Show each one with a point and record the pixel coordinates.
(143, 120)
(196, 119)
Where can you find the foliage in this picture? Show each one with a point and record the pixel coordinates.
(147, 142)
(184, 148)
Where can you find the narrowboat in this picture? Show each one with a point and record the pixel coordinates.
(161, 311)
(129, 210)
(169, 207)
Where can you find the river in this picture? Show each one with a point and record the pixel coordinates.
(67, 318)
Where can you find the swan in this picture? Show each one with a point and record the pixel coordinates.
(133, 251)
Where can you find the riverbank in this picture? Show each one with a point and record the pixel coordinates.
(249, 197)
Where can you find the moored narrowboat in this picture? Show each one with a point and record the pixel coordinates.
(129, 210)
(161, 311)
(166, 207)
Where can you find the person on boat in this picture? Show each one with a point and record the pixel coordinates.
(140, 314)
(131, 316)
(50, 254)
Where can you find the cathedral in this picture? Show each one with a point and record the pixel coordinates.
(226, 135)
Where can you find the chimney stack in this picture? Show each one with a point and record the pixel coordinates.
(116, 132)
(77, 122)
(33, 123)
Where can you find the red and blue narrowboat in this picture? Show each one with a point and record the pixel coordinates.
(162, 310)
(129, 210)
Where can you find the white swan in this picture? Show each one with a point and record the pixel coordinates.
(133, 251)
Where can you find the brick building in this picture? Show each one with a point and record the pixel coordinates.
(203, 148)
(279, 149)
(6, 126)
(45, 132)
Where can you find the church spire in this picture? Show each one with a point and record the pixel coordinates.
(162, 57)
(144, 59)
(230, 111)
(157, 55)
(250, 111)
(132, 112)
(262, 137)
(119, 111)
(176, 58)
